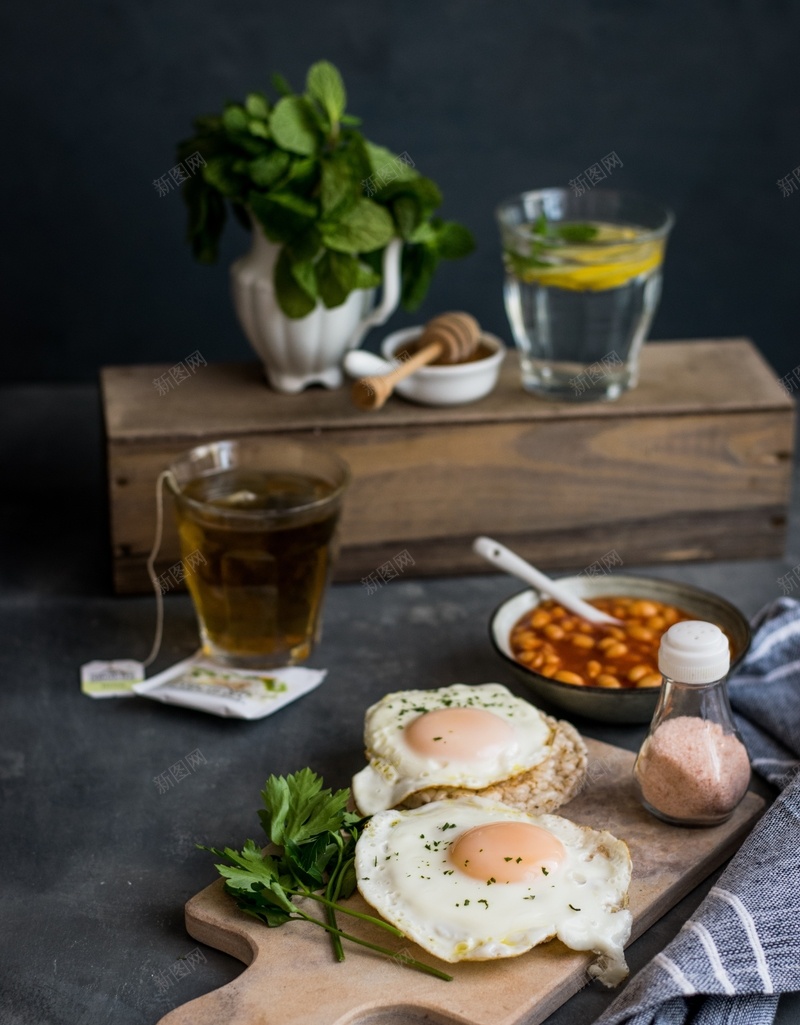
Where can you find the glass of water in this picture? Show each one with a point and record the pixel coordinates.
(583, 280)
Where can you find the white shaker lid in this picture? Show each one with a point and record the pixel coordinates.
(694, 652)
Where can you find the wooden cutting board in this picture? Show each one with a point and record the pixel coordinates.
(292, 978)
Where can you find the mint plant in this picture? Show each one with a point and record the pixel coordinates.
(300, 168)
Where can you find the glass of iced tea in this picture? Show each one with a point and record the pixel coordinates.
(257, 525)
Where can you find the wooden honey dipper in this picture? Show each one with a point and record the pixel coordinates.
(448, 338)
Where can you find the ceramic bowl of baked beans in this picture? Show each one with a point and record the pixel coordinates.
(605, 671)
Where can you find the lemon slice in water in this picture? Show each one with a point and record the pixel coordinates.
(598, 266)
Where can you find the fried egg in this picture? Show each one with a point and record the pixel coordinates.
(473, 880)
(458, 736)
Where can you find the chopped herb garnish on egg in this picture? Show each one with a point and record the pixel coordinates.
(574, 909)
(484, 901)
(448, 825)
(510, 859)
(545, 871)
(466, 902)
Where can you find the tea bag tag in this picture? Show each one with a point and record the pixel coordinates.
(111, 679)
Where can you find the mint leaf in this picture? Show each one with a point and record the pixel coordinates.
(257, 105)
(338, 183)
(283, 215)
(576, 232)
(361, 229)
(219, 173)
(366, 277)
(453, 241)
(280, 85)
(380, 157)
(406, 214)
(234, 118)
(337, 274)
(258, 128)
(419, 264)
(265, 171)
(324, 84)
(303, 173)
(304, 273)
(292, 298)
(305, 248)
(293, 126)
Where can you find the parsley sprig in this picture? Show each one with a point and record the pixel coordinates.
(314, 841)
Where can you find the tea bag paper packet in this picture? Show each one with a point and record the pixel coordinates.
(113, 679)
(234, 693)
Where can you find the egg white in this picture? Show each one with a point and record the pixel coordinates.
(403, 870)
(396, 771)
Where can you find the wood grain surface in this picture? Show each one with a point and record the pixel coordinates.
(693, 464)
(292, 978)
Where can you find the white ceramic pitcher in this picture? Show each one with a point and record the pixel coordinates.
(309, 350)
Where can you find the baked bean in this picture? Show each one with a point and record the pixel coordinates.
(555, 643)
(529, 643)
(606, 680)
(566, 677)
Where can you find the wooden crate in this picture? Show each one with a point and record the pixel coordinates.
(695, 463)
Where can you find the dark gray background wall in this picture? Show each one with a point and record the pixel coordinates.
(700, 101)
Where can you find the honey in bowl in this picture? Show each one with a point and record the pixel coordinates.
(562, 646)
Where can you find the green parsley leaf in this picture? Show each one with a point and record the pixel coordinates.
(315, 840)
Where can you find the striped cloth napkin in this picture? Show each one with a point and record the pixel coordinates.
(741, 948)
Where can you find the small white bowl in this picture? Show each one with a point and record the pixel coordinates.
(447, 385)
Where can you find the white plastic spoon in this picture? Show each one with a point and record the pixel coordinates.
(506, 560)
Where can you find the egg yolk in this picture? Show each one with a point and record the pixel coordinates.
(506, 852)
(459, 733)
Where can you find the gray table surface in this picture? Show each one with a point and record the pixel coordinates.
(96, 863)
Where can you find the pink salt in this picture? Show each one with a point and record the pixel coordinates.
(691, 769)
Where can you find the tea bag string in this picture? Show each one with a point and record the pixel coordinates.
(163, 477)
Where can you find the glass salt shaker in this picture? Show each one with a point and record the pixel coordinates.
(693, 768)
